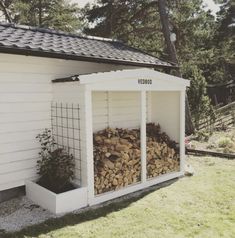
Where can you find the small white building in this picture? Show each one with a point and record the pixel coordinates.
(128, 93)
(124, 99)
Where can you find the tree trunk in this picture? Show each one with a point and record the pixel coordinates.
(166, 31)
(5, 12)
(40, 13)
(173, 58)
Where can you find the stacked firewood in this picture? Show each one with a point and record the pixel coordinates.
(162, 152)
(161, 159)
(117, 157)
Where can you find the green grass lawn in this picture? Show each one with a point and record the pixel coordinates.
(198, 206)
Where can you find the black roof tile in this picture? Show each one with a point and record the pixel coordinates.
(55, 44)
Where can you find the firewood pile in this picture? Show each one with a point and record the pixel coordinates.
(117, 156)
(162, 152)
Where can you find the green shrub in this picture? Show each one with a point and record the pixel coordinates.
(199, 102)
(202, 135)
(56, 166)
(225, 142)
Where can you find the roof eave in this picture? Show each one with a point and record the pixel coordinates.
(46, 54)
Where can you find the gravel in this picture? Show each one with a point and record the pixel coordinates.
(19, 213)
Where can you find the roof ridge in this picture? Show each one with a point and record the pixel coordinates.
(57, 32)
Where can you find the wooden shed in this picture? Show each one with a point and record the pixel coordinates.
(127, 99)
(97, 84)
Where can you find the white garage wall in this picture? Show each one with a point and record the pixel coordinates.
(25, 101)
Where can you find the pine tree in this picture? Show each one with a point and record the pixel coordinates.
(138, 24)
(133, 22)
(225, 40)
(55, 14)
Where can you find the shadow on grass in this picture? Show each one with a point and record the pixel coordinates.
(87, 215)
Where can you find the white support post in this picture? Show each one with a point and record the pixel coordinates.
(109, 106)
(89, 145)
(143, 136)
(182, 130)
(149, 105)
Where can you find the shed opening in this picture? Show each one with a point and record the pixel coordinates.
(117, 126)
(162, 133)
(116, 140)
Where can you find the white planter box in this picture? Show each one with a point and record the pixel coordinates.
(56, 203)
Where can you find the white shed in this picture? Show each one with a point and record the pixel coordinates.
(30, 58)
(123, 99)
(125, 95)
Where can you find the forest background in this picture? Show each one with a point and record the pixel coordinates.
(204, 42)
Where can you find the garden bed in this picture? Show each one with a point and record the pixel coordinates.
(218, 141)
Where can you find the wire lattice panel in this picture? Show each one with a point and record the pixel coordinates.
(65, 121)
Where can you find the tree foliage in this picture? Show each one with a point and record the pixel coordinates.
(205, 45)
(198, 99)
(138, 23)
(55, 14)
(134, 22)
(225, 37)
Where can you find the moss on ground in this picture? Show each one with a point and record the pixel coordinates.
(198, 206)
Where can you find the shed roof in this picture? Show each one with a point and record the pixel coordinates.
(115, 77)
(33, 41)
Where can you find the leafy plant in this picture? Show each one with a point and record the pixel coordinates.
(227, 145)
(56, 166)
(225, 142)
(202, 135)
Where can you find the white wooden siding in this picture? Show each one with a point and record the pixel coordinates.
(165, 110)
(115, 109)
(100, 110)
(25, 99)
(73, 93)
(16, 156)
(122, 109)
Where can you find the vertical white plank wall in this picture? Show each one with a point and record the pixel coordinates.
(165, 110)
(25, 109)
(115, 109)
(71, 93)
